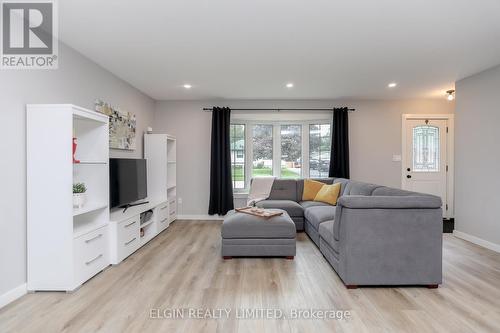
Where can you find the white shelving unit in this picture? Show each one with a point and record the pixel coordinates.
(172, 177)
(66, 245)
(160, 150)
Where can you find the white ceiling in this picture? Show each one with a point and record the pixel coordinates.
(246, 49)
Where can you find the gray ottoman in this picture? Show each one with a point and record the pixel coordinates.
(245, 235)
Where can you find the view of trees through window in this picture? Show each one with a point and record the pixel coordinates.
(291, 151)
(237, 134)
(262, 144)
(319, 150)
(257, 157)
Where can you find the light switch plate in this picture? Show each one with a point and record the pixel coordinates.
(396, 158)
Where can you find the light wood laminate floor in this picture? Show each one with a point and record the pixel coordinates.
(182, 268)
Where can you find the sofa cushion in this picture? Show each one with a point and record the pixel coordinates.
(307, 204)
(311, 188)
(359, 188)
(326, 233)
(284, 189)
(291, 207)
(318, 214)
(242, 225)
(300, 185)
(329, 194)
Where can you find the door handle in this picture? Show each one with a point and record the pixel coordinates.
(408, 169)
(408, 176)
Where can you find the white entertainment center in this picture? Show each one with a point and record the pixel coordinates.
(66, 246)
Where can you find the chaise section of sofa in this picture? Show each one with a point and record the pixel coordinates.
(385, 240)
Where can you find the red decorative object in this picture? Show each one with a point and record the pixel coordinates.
(74, 151)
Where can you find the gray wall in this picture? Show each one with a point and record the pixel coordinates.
(77, 81)
(375, 135)
(477, 155)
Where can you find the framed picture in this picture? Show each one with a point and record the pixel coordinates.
(122, 126)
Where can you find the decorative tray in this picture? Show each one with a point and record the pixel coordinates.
(263, 213)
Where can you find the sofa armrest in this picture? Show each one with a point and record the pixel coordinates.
(390, 202)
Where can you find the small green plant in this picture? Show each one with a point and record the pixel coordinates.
(79, 188)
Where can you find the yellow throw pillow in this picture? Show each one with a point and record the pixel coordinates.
(311, 188)
(328, 194)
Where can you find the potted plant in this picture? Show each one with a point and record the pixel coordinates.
(79, 195)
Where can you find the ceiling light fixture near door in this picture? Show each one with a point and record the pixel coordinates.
(187, 86)
(392, 85)
(289, 85)
(451, 94)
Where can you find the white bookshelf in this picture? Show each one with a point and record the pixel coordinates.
(160, 151)
(66, 246)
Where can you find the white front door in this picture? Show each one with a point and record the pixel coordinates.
(425, 161)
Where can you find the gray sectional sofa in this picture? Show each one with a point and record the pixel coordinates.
(375, 235)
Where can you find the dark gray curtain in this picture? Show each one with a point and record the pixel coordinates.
(221, 187)
(339, 157)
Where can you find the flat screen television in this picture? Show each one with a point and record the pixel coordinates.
(127, 181)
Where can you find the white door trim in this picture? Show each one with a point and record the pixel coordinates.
(449, 154)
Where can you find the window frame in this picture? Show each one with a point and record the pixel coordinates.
(305, 124)
(250, 146)
(320, 139)
(245, 131)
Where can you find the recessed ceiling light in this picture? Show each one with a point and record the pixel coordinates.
(392, 84)
(187, 86)
(289, 85)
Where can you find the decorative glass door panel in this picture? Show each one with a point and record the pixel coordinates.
(426, 148)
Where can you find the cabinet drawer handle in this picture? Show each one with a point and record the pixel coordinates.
(91, 261)
(172, 213)
(93, 238)
(164, 220)
(164, 207)
(131, 223)
(130, 241)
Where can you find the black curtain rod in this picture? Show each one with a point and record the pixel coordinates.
(280, 109)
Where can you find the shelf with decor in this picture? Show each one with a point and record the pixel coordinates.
(89, 207)
(161, 152)
(67, 233)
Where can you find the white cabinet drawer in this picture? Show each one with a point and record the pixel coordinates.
(172, 207)
(127, 229)
(128, 237)
(91, 254)
(162, 211)
(172, 216)
(163, 223)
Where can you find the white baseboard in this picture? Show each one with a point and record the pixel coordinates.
(12, 295)
(476, 240)
(201, 217)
